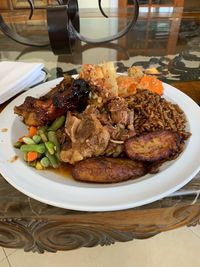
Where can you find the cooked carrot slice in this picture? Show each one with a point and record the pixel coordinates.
(126, 86)
(31, 156)
(151, 83)
(32, 131)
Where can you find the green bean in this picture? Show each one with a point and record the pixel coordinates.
(40, 148)
(43, 128)
(53, 138)
(28, 140)
(53, 160)
(18, 144)
(42, 134)
(45, 162)
(36, 138)
(58, 123)
(50, 147)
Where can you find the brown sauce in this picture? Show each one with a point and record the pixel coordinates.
(13, 159)
(65, 170)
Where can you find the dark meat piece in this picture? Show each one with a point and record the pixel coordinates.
(120, 113)
(153, 146)
(107, 170)
(68, 95)
(89, 138)
(118, 132)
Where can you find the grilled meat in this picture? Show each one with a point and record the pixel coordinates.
(154, 146)
(70, 94)
(107, 170)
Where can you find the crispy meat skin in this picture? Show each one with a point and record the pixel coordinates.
(68, 95)
(154, 146)
(107, 170)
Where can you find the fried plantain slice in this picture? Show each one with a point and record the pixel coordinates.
(107, 170)
(154, 146)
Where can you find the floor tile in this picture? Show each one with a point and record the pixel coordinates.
(4, 263)
(120, 254)
(9, 251)
(2, 254)
(195, 230)
(176, 248)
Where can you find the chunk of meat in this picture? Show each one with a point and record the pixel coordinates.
(119, 133)
(116, 117)
(153, 146)
(88, 138)
(68, 95)
(71, 125)
(120, 113)
(107, 170)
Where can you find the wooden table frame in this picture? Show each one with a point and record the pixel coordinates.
(33, 226)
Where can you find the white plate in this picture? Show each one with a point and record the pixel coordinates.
(52, 188)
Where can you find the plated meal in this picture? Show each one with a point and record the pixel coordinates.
(110, 127)
(128, 140)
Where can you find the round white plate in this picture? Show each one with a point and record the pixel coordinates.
(52, 188)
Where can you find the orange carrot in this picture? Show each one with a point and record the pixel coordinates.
(126, 86)
(151, 83)
(31, 156)
(32, 131)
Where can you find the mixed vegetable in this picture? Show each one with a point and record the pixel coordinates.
(41, 147)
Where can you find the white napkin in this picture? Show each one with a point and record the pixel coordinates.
(18, 76)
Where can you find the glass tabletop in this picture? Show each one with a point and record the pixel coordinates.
(166, 39)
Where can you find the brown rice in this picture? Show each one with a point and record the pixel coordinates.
(153, 112)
